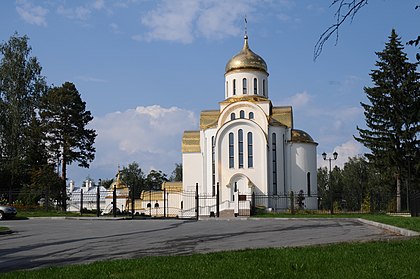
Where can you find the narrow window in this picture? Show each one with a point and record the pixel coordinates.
(232, 116)
(242, 114)
(213, 165)
(308, 181)
(263, 87)
(227, 88)
(255, 86)
(244, 85)
(241, 148)
(234, 87)
(231, 151)
(274, 154)
(250, 151)
(251, 115)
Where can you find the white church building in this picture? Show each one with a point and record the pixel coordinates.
(248, 145)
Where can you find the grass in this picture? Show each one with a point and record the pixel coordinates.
(2, 229)
(392, 259)
(49, 213)
(379, 259)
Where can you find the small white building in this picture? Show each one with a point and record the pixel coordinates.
(248, 145)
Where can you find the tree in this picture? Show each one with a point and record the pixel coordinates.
(21, 86)
(393, 114)
(347, 10)
(176, 173)
(64, 118)
(133, 176)
(155, 179)
(355, 179)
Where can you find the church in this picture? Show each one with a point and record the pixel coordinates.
(248, 146)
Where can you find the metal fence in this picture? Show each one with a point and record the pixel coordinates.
(192, 204)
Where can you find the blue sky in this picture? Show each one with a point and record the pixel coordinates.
(147, 68)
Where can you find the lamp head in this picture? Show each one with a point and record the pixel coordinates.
(324, 156)
(335, 154)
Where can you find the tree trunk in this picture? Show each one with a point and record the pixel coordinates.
(398, 193)
(64, 187)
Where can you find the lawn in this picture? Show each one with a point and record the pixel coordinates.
(2, 229)
(379, 259)
(391, 259)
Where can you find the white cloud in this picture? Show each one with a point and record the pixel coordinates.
(183, 21)
(79, 13)
(32, 14)
(90, 79)
(217, 20)
(98, 4)
(171, 21)
(115, 28)
(350, 148)
(149, 135)
(299, 100)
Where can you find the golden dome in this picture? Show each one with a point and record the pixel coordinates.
(301, 136)
(246, 59)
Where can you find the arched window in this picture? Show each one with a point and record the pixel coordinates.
(250, 151)
(274, 161)
(234, 87)
(244, 86)
(263, 87)
(308, 181)
(242, 114)
(149, 205)
(255, 86)
(156, 205)
(251, 115)
(231, 151)
(241, 148)
(232, 116)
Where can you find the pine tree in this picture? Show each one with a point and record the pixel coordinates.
(392, 116)
(64, 119)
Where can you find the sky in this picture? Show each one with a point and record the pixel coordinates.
(146, 69)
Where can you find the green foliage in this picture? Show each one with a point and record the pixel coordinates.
(133, 177)
(155, 179)
(391, 259)
(176, 173)
(392, 114)
(21, 86)
(64, 118)
(46, 185)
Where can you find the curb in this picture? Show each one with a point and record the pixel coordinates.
(394, 229)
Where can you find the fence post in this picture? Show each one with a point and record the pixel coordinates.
(253, 203)
(81, 201)
(197, 204)
(292, 202)
(217, 200)
(98, 197)
(114, 201)
(164, 202)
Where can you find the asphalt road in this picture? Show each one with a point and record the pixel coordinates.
(39, 243)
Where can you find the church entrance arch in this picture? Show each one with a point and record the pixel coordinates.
(239, 184)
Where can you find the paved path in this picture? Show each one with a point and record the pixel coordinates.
(46, 242)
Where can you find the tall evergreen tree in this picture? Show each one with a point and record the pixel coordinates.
(64, 118)
(392, 116)
(21, 86)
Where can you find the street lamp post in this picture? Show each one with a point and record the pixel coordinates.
(324, 156)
